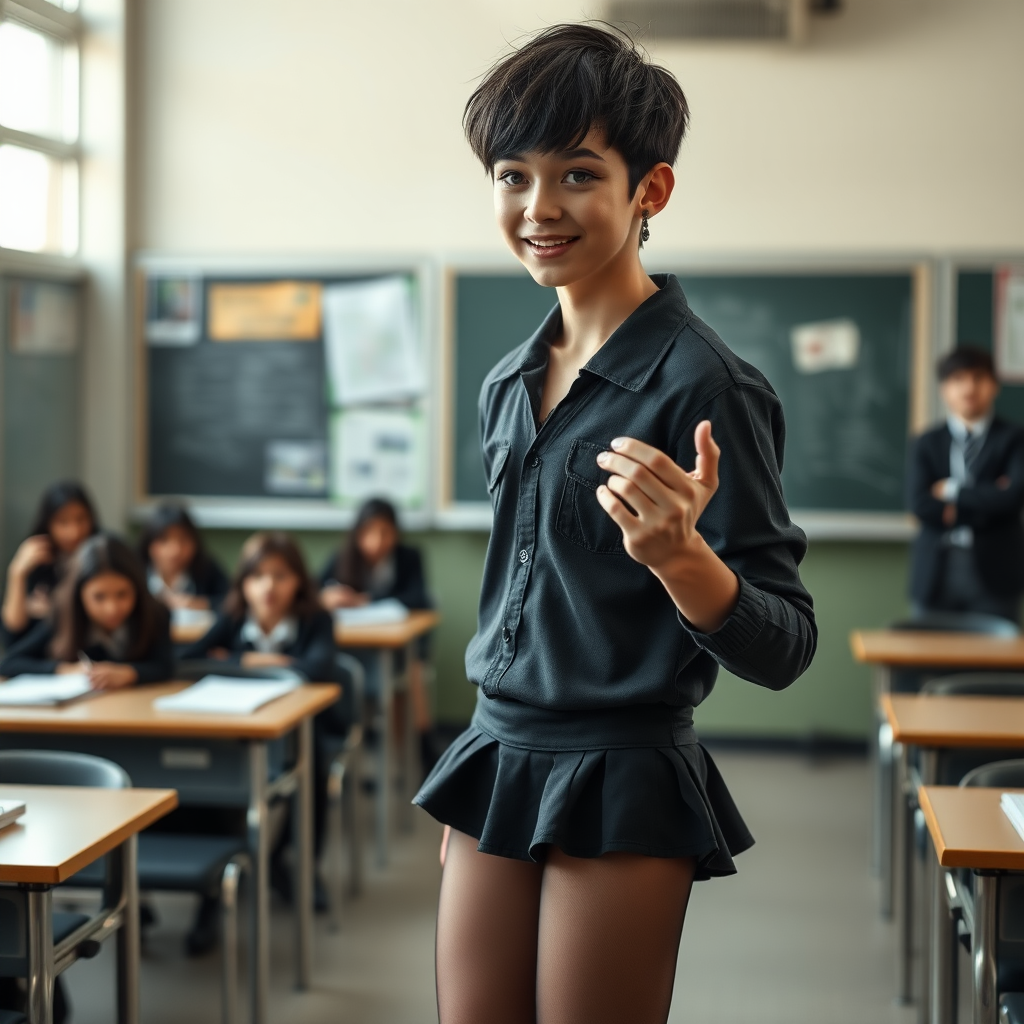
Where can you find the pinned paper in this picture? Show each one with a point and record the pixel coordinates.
(295, 467)
(1009, 303)
(378, 453)
(827, 345)
(44, 318)
(172, 310)
(274, 311)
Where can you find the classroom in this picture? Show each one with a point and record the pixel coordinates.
(307, 581)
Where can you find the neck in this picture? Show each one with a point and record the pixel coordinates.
(594, 307)
(268, 623)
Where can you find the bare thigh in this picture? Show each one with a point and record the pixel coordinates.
(486, 937)
(609, 932)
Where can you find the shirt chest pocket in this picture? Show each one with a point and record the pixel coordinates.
(580, 517)
(497, 471)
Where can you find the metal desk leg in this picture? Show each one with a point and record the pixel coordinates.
(925, 872)
(944, 953)
(882, 853)
(128, 935)
(410, 755)
(39, 900)
(983, 948)
(259, 900)
(904, 825)
(387, 689)
(303, 819)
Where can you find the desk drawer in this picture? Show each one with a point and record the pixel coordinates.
(204, 772)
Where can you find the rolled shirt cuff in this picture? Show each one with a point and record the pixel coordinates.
(739, 630)
(951, 489)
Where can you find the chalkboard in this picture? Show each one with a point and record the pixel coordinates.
(847, 428)
(975, 325)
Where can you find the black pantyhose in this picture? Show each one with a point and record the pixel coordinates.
(570, 941)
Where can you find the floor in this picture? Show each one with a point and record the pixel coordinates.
(795, 937)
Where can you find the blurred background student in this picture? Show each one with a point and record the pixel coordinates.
(104, 623)
(373, 565)
(966, 487)
(179, 570)
(64, 519)
(272, 618)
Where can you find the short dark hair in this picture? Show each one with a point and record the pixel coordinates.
(267, 544)
(568, 79)
(100, 554)
(966, 357)
(58, 496)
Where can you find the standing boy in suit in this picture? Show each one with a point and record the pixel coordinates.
(967, 490)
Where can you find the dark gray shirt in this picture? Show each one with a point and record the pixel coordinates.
(567, 619)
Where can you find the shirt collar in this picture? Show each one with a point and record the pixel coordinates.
(282, 635)
(634, 350)
(960, 429)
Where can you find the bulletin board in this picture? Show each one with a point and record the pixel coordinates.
(307, 388)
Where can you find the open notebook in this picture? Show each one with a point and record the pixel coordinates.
(224, 695)
(376, 613)
(44, 690)
(10, 811)
(1013, 807)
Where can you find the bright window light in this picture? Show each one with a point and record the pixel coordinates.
(38, 82)
(38, 201)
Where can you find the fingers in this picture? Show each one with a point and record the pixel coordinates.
(657, 462)
(708, 455)
(634, 482)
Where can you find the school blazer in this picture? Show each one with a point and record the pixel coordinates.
(410, 584)
(313, 651)
(993, 512)
(32, 653)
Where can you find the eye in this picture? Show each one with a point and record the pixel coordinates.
(512, 178)
(579, 177)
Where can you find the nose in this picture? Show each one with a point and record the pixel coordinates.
(541, 205)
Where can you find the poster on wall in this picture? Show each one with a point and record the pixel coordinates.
(173, 310)
(44, 318)
(265, 311)
(1009, 323)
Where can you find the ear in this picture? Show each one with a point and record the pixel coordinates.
(655, 189)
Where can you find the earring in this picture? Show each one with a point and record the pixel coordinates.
(645, 229)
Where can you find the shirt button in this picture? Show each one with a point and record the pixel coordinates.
(524, 556)
(506, 634)
(535, 461)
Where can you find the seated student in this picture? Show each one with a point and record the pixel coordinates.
(105, 623)
(966, 487)
(64, 519)
(271, 618)
(180, 572)
(373, 565)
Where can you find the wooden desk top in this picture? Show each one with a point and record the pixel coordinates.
(392, 635)
(969, 829)
(65, 828)
(937, 650)
(130, 712)
(931, 721)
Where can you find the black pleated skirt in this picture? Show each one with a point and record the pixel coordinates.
(521, 779)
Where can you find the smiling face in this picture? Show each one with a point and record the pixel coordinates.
(569, 216)
(108, 599)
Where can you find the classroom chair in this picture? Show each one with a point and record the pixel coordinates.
(958, 922)
(166, 862)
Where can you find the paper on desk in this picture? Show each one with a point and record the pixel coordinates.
(224, 695)
(44, 690)
(192, 617)
(1013, 807)
(376, 613)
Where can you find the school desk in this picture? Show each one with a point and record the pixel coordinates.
(968, 830)
(385, 640)
(212, 760)
(64, 829)
(933, 723)
(888, 649)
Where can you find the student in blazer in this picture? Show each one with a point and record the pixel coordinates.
(966, 486)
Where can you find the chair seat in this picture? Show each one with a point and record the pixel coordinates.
(1011, 1008)
(12, 1017)
(185, 863)
(64, 924)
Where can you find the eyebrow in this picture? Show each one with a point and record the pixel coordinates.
(569, 154)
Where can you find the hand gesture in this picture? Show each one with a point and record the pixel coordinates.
(264, 659)
(339, 595)
(110, 675)
(666, 501)
(33, 552)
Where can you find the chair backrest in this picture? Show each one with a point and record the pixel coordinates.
(977, 684)
(194, 670)
(60, 768)
(997, 774)
(959, 622)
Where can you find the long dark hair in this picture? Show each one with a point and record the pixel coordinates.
(265, 545)
(164, 518)
(101, 554)
(351, 568)
(55, 497)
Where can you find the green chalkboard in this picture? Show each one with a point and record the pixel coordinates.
(847, 428)
(975, 325)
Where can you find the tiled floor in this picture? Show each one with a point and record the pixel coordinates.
(795, 937)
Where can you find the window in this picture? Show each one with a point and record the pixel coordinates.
(39, 114)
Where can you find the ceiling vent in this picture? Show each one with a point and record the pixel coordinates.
(773, 20)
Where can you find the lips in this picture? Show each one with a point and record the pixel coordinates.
(549, 248)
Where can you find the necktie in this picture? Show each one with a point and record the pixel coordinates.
(972, 449)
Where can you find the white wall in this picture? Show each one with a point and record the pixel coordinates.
(322, 126)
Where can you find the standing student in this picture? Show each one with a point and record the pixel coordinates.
(104, 623)
(272, 618)
(64, 519)
(966, 487)
(373, 565)
(179, 570)
(630, 556)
